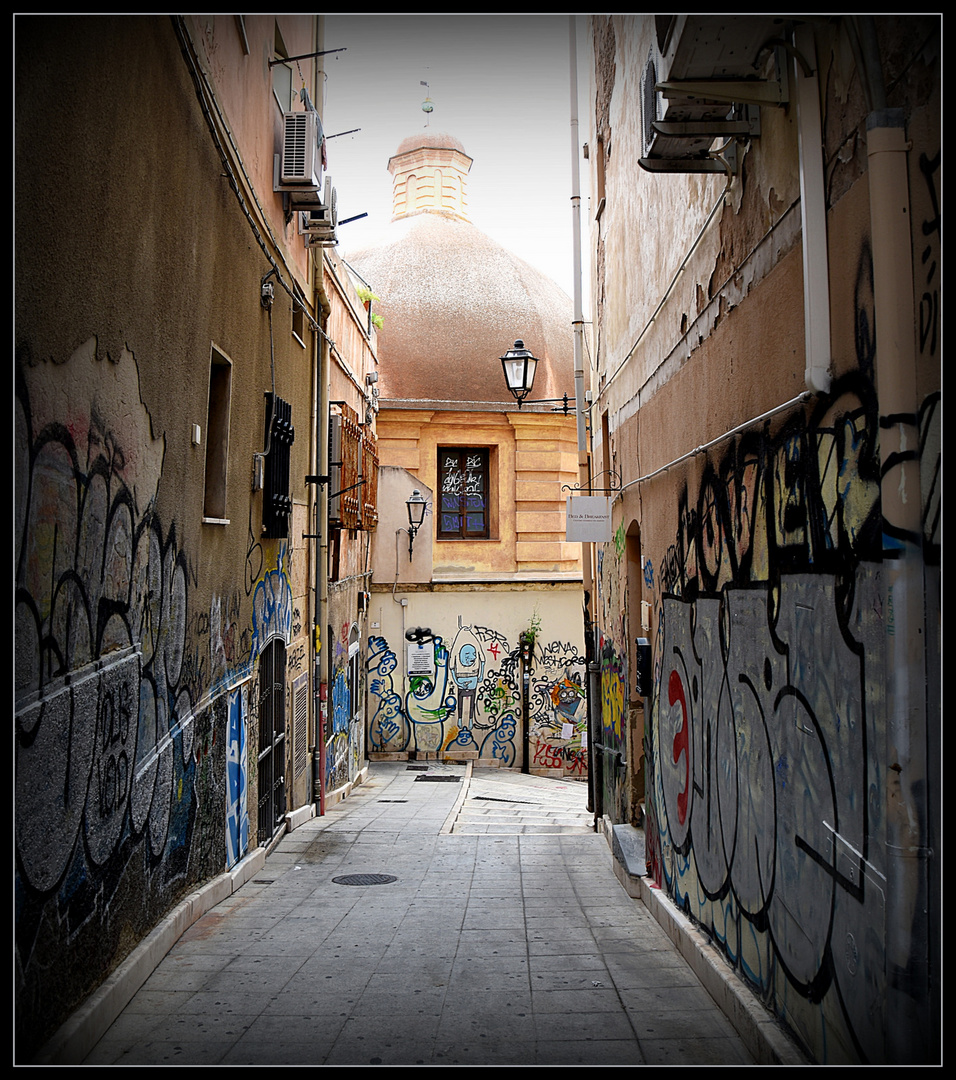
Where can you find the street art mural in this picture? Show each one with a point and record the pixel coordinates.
(129, 715)
(237, 772)
(614, 600)
(767, 748)
(432, 696)
(345, 735)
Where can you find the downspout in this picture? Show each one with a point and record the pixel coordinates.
(907, 901)
(322, 396)
(591, 700)
(813, 214)
(908, 1022)
(907, 930)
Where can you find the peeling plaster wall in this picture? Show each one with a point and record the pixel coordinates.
(139, 628)
(770, 765)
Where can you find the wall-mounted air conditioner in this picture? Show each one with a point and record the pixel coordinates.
(302, 149)
(320, 225)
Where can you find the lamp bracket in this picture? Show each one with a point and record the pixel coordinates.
(614, 474)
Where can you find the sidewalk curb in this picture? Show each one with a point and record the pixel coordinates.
(90, 1022)
(761, 1032)
(449, 824)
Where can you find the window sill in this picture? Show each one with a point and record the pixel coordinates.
(215, 521)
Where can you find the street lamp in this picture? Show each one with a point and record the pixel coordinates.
(415, 505)
(519, 367)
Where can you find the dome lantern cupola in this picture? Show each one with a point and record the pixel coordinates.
(429, 177)
(452, 298)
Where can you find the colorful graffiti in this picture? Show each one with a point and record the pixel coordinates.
(469, 697)
(768, 747)
(129, 740)
(237, 771)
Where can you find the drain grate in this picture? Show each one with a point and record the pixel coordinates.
(364, 879)
(392, 800)
(439, 779)
(416, 768)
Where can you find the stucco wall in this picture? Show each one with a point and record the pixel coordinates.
(531, 456)
(463, 694)
(139, 628)
(771, 767)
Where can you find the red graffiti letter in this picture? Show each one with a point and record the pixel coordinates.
(675, 693)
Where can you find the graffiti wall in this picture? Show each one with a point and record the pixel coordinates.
(345, 730)
(767, 820)
(134, 682)
(458, 686)
(613, 658)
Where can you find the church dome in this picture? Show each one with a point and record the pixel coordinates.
(452, 299)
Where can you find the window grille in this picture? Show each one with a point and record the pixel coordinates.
(277, 502)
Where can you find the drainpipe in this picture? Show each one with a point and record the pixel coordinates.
(909, 999)
(320, 398)
(813, 214)
(907, 921)
(579, 400)
(320, 685)
(907, 901)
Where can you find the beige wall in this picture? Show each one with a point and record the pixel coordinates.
(532, 456)
(762, 558)
(468, 704)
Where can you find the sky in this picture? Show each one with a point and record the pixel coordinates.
(499, 83)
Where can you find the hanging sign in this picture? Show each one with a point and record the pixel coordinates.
(589, 518)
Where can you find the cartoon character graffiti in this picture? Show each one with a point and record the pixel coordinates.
(468, 697)
(388, 728)
(428, 703)
(566, 697)
(467, 667)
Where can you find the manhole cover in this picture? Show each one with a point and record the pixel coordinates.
(439, 779)
(364, 879)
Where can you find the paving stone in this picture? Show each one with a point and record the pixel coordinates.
(517, 949)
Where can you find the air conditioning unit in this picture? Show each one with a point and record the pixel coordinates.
(320, 225)
(302, 149)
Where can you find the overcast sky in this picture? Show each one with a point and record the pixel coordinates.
(499, 83)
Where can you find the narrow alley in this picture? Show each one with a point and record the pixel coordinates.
(500, 936)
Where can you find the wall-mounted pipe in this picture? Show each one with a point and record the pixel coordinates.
(813, 212)
(907, 838)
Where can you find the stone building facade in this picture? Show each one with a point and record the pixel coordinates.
(491, 567)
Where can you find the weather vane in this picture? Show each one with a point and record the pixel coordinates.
(428, 106)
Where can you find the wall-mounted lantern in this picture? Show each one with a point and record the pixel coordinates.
(519, 367)
(416, 506)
